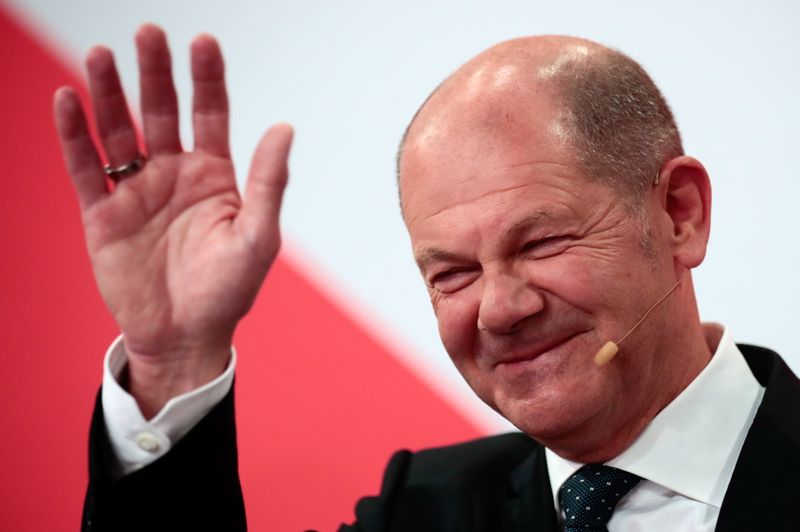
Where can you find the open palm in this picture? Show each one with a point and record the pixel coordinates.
(178, 255)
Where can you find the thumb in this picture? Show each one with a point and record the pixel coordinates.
(269, 172)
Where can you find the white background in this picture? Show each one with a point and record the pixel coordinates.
(349, 75)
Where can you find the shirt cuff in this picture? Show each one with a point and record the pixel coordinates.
(138, 442)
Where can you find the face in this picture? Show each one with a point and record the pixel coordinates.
(531, 267)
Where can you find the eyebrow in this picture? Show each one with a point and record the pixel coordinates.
(532, 219)
(431, 254)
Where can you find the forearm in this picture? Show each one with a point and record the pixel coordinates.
(189, 482)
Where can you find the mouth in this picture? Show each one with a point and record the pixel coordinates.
(518, 361)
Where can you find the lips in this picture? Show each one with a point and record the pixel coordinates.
(529, 351)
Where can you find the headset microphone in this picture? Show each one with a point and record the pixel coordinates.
(610, 349)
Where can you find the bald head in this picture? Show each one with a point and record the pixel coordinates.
(599, 102)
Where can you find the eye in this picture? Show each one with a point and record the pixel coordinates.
(452, 280)
(546, 247)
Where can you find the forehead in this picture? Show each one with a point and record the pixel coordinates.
(486, 151)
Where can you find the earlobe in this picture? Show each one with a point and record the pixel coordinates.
(685, 194)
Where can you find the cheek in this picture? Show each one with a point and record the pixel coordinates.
(572, 278)
(613, 292)
(598, 288)
(457, 318)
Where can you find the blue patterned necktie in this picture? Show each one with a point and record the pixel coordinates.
(589, 496)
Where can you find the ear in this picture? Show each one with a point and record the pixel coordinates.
(685, 195)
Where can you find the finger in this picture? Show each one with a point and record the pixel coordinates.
(264, 192)
(110, 108)
(158, 97)
(210, 102)
(83, 162)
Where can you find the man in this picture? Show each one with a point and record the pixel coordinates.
(551, 209)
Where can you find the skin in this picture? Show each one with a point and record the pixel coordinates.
(531, 266)
(178, 255)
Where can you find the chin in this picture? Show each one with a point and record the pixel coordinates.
(542, 426)
(551, 416)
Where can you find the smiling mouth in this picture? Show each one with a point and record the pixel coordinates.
(528, 356)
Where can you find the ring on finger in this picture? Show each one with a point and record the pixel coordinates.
(116, 173)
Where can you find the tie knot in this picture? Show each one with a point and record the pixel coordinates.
(589, 496)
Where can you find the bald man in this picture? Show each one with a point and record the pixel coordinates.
(551, 210)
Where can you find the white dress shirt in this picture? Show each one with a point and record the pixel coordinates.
(136, 441)
(686, 455)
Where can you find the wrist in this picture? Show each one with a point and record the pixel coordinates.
(155, 378)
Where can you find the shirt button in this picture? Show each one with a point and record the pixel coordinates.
(147, 442)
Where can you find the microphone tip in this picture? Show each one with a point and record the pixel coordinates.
(606, 353)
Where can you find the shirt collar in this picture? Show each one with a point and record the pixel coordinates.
(692, 445)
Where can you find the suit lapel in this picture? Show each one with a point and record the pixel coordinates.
(531, 508)
(763, 493)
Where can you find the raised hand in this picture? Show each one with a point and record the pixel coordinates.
(178, 255)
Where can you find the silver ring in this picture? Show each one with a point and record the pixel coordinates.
(124, 170)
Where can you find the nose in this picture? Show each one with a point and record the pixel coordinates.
(506, 301)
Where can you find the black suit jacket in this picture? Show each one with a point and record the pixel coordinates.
(492, 484)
